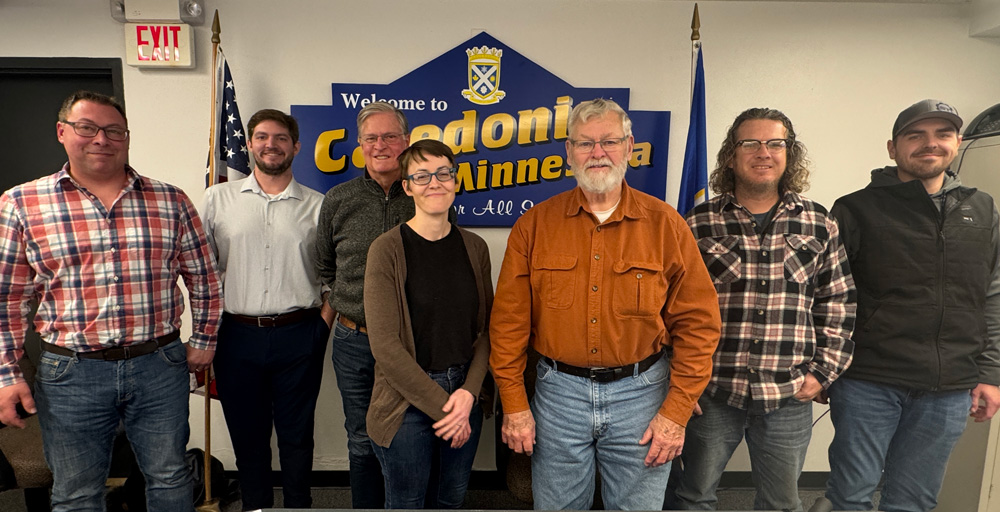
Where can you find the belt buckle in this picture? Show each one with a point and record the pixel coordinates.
(263, 320)
(602, 374)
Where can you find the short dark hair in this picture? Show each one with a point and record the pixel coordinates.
(269, 114)
(421, 150)
(93, 97)
(796, 176)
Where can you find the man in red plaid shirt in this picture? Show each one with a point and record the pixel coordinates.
(100, 248)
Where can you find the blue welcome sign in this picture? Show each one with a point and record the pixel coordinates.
(503, 115)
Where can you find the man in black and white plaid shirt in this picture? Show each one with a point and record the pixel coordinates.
(787, 302)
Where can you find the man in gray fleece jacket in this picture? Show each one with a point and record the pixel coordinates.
(353, 215)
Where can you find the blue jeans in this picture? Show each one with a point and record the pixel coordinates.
(81, 402)
(777, 442)
(422, 470)
(581, 425)
(907, 434)
(269, 377)
(355, 368)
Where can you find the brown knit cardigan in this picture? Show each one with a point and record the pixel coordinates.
(399, 380)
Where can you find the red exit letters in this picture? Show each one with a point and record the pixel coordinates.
(157, 42)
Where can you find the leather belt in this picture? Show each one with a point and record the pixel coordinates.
(116, 353)
(275, 320)
(350, 324)
(605, 374)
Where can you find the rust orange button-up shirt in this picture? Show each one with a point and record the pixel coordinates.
(602, 295)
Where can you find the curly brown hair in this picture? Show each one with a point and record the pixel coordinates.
(796, 176)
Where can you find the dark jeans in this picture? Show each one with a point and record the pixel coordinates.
(422, 470)
(271, 376)
(777, 442)
(355, 368)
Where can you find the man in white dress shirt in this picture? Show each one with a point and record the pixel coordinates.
(269, 359)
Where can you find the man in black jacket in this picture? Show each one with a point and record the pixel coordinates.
(924, 253)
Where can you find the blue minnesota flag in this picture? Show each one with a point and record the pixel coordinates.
(694, 174)
(229, 147)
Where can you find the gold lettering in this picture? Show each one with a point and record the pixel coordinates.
(552, 167)
(425, 131)
(481, 171)
(503, 171)
(465, 129)
(324, 148)
(527, 171)
(537, 119)
(561, 129)
(642, 154)
(506, 124)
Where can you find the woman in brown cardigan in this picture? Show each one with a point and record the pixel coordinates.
(428, 293)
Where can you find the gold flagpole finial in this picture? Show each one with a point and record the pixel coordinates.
(216, 29)
(695, 25)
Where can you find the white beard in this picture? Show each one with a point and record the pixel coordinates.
(600, 183)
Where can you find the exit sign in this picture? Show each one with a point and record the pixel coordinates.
(161, 45)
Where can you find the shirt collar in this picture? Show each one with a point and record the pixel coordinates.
(133, 179)
(789, 201)
(292, 191)
(627, 205)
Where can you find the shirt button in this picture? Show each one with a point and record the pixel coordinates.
(638, 276)
(593, 320)
(115, 278)
(760, 312)
(597, 256)
(763, 282)
(593, 351)
(755, 342)
(598, 228)
(594, 288)
(751, 370)
(763, 253)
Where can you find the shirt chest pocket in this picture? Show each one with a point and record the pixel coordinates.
(556, 280)
(639, 288)
(802, 253)
(722, 258)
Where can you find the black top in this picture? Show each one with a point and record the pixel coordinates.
(442, 297)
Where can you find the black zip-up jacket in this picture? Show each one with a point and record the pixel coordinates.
(924, 266)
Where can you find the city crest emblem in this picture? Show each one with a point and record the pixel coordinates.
(484, 76)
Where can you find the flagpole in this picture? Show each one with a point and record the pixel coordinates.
(210, 504)
(216, 30)
(695, 44)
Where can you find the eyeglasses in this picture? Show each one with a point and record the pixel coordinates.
(444, 175)
(388, 138)
(83, 129)
(753, 145)
(608, 145)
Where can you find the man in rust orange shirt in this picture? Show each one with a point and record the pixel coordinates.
(600, 280)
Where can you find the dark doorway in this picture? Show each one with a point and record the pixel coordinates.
(31, 92)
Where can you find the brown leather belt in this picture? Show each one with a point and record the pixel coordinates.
(605, 374)
(275, 320)
(350, 324)
(116, 353)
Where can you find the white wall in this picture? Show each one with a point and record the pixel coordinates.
(841, 71)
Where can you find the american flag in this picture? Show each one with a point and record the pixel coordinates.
(232, 159)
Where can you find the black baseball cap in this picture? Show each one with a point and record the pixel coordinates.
(926, 109)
